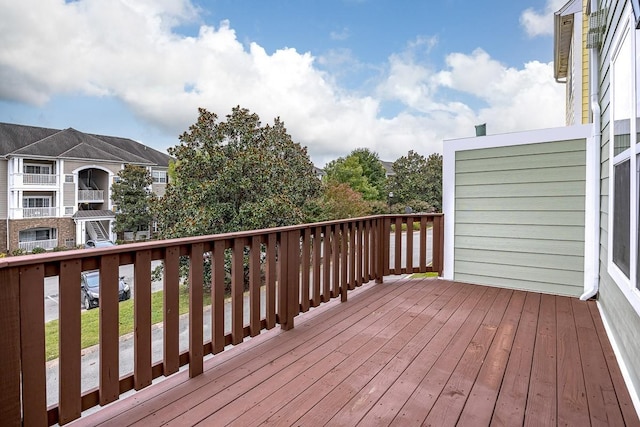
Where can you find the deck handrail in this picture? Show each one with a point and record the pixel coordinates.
(299, 267)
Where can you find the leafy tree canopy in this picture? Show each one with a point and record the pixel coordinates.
(362, 171)
(417, 178)
(133, 198)
(235, 175)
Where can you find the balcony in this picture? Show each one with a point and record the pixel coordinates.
(44, 244)
(37, 212)
(39, 179)
(90, 196)
(389, 350)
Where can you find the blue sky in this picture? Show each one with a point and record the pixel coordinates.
(389, 75)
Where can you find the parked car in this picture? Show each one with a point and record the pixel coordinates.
(98, 244)
(90, 294)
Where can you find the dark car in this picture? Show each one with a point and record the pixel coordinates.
(90, 283)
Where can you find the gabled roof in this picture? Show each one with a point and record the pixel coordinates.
(30, 141)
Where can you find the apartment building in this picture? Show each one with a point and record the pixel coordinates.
(55, 185)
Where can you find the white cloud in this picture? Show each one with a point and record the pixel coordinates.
(540, 23)
(163, 77)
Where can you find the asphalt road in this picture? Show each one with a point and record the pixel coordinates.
(90, 356)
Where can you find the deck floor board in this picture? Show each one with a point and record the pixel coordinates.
(405, 352)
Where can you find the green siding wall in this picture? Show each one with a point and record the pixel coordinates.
(623, 320)
(519, 219)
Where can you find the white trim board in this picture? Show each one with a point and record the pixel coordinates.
(452, 146)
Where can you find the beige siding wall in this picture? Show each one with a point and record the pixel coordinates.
(520, 217)
(623, 320)
(69, 194)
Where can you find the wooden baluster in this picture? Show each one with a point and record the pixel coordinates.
(305, 270)
(171, 306)
(271, 280)
(217, 296)
(196, 351)
(344, 253)
(398, 267)
(326, 263)
(423, 243)
(237, 291)
(70, 406)
(317, 258)
(142, 320)
(409, 245)
(254, 286)
(109, 329)
(10, 342)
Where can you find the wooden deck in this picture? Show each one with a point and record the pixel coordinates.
(406, 352)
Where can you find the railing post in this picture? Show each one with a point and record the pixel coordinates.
(438, 244)
(380, 249)
(10, 344)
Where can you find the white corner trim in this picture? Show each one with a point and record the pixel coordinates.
(448, 207)
(635, 398)
(452, 146)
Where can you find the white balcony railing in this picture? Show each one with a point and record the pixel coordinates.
(39, 179)
(90, 195)
(45, 244)
(39, 212)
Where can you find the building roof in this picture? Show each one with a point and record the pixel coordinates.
(93, 214)
(563, 33)
(31, 141)
(388, 167)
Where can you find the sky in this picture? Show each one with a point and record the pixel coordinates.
(388, 75)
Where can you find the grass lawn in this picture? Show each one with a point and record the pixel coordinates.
(90, 320)
(423, 275)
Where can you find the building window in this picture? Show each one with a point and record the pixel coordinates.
(69, 243)
(36, 202)
(624, 154)
(38, 234)
(68, 210)
(159, 177)
(37, 169)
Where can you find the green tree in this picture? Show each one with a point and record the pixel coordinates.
(235, 175)
(340, 201)
(361, 170)
(417, 178)
(132, 196)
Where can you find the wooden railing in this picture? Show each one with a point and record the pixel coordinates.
(284, 271)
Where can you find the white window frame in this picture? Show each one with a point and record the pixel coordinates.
(53, 234)
(37, 165)
(627, 285)
(159, 177)
(47, 198)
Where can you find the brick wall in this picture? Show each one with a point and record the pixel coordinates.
(66, 229)
(3, 236)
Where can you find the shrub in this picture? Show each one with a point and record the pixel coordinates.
(60, 248)
(2, 255)
(18, 252)
(38, 250)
